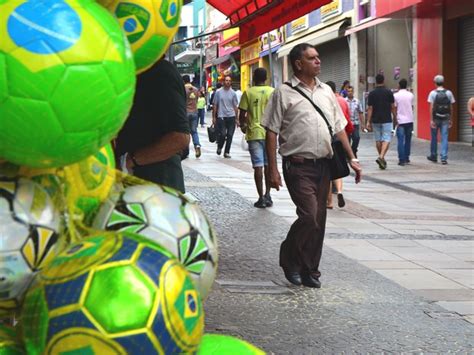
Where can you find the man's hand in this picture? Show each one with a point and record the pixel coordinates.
(355, 165)
(275, 179)
(450, 124)
(433, 124)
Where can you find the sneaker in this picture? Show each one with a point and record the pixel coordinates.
(384, 163)
(260, 203)
(381, 164)
(227, 155)
(219, 151)
(432, 158)
(444, 162)
(401, 163)
(268, 200)
(340, 201)
(197, 150)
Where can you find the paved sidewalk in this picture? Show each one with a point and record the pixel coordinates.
(412, 225)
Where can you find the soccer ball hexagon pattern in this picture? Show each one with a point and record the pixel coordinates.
(67, 80)
(113, 293)
(165, 216)
(29, 231)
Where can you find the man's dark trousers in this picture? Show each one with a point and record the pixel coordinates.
(225, 132)
(308, 185)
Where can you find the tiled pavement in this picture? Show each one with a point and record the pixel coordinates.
(414, 225)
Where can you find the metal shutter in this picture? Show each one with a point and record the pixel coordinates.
(335, 63)
(466, 76)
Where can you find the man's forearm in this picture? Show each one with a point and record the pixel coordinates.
(168, 145)
(270, 146)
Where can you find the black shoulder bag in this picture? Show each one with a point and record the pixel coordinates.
(338, 163)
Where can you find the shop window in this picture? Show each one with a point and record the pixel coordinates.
(365, 10)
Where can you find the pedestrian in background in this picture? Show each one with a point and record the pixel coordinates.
(357, 119)
(192, 95)
(252, 105)
(305, 145)
(381, 118)
(404, 100)
(344, 88)
(201, 106)
(225, 109)
(470, 109)
(349, 129)
(441, 107)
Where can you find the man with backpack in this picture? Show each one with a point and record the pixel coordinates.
(441, 107)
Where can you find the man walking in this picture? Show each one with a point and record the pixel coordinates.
(381, 117)
(192, 96)
(224, 113)
(441, 107)
(404, 104)
(252, 105)
(357, 119)
(305, 145)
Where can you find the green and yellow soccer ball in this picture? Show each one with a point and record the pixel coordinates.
(150, 26)
(67, 80)
(88, 183)
(113, 294)
(10, 343)
(216, 344)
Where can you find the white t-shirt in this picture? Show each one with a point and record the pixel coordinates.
(432, 95)
(404, 102)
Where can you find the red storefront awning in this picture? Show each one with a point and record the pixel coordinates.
(256, 17)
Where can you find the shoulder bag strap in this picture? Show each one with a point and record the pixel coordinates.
(314, 105)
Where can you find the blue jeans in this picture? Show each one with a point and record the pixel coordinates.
(193, 123)
(404, 141)
(201, 115)
(354, 138)
(443, 127)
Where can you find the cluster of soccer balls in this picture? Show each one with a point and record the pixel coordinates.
(88, 264)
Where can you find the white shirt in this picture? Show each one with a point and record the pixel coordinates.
(302, 131)
(404, 102)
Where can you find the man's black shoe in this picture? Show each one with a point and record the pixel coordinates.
(310, 281)
(260, 203)
(268, 200)
(219, 151)
(432, 158)
(293, 276)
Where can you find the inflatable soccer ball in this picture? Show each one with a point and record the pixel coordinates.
(9, 341)
(67, 80)
(113, 294)
(216, 344)
(150, 26)
(88, 183)
(169, 219)
(29, 229)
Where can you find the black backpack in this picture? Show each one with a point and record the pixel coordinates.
(442, 105)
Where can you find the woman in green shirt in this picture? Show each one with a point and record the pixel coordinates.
(201, 106)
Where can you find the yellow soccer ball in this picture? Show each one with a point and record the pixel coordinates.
(89, 182)
(150, 26)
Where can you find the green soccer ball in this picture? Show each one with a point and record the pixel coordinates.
(67, 80)
(214, 344)
(113, 294)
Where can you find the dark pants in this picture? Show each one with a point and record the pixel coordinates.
(354, 139)
(201, 115)
(308, 185)
(225, 132)
(404, 141)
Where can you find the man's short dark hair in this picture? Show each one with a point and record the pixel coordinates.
(260, 75)
(379, 79)
(332, 85)
(186, 78)
(403, 83)
(297, 53)
(350, 87)
(218, 85)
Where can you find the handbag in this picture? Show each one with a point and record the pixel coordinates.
(338, 166)
(212, 133)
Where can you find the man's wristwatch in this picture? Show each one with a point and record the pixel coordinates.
(133, 159)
